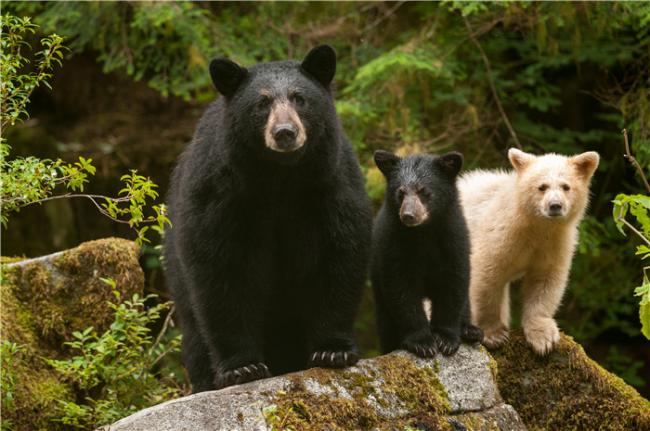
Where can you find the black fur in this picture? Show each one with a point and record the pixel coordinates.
(430, 261)
(268, 252)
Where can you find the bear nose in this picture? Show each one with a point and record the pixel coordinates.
(555, 208)
(285, 135)
(408, 218)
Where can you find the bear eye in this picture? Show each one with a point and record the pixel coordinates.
(297, 99)
(400, 193)
(543, 187)
(566, 187)
(264, 102)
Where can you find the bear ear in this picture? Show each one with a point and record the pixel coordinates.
(519, 160)
(585, 163)
(450, 163)
(226, 75)
(386, 161)
(320, 63)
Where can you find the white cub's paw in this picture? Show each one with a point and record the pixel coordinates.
(542, 334)
(495, 336)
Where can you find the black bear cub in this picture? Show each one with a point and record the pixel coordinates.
(421, 251)
(268, 252)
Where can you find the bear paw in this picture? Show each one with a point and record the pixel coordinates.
(471, 334)
(447, 345)
(333, 359)
(495, 337)
(423, 346)
(241, 375)
(542, 334)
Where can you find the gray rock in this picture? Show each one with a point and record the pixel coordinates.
(379, 393)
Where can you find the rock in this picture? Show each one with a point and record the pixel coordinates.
(566, 390)
(44, 300)
(389, 392)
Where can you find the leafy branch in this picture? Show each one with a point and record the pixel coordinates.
(639, 206)
(26, 181)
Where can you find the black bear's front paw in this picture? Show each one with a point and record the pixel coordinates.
(471, 334)
(240, 375)
(447, 343)
(420, 344)
(333, 359)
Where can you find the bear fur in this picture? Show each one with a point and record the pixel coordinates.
(524, 225)
(421, 252)
(271, 227)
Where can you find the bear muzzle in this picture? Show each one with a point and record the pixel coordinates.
(413, 212)
(284, 131)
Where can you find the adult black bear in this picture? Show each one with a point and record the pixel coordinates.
(421, 251)
(268, 252)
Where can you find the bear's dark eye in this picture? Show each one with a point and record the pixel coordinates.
(543, 187)
(264, 102)
(566, 187)
(425, 193)
(400, 193)
(297, 99)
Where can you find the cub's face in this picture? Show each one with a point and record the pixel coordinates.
(278, 107)
(419, 187)
(553, 186)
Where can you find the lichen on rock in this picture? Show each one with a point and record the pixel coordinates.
(46, 299)
(566, 390)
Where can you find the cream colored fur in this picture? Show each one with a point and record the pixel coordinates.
(514, 237)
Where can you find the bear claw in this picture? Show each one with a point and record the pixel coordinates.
(446, 346)
(424, 348)
(241, 375)
(333, 359)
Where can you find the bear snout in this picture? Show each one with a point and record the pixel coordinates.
(413, 212)
(285, 135)
(284, 131)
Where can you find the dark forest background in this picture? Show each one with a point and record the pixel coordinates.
(411, 77)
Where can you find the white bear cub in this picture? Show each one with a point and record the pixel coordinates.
(524, 225)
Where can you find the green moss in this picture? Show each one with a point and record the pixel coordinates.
(418, 390)
(43, 302)
(566, 390)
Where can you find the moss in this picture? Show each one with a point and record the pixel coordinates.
(566, 390)
(360, 397)
(11, 259)
(43, 301)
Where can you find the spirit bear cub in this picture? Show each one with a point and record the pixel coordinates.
(524, 225)
(421, 251)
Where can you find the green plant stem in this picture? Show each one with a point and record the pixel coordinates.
(630, 158)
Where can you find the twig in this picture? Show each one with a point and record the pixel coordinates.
(488, 68)
(633, 229)
(630, 158)
(92, 199)
(164, 328)
(384, 16)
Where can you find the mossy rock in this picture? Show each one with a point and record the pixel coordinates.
(393, 392)
(566, 390)
(44, 300)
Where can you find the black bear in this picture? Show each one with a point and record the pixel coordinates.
(271, 227)
(421, 251)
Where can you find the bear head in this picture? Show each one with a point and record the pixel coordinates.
(280, 108)
(419, 188)
(553, 186)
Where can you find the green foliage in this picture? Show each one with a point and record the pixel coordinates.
(114, 373)
(638, 206)
(28, 180)
(17, 84)
(7, 379)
